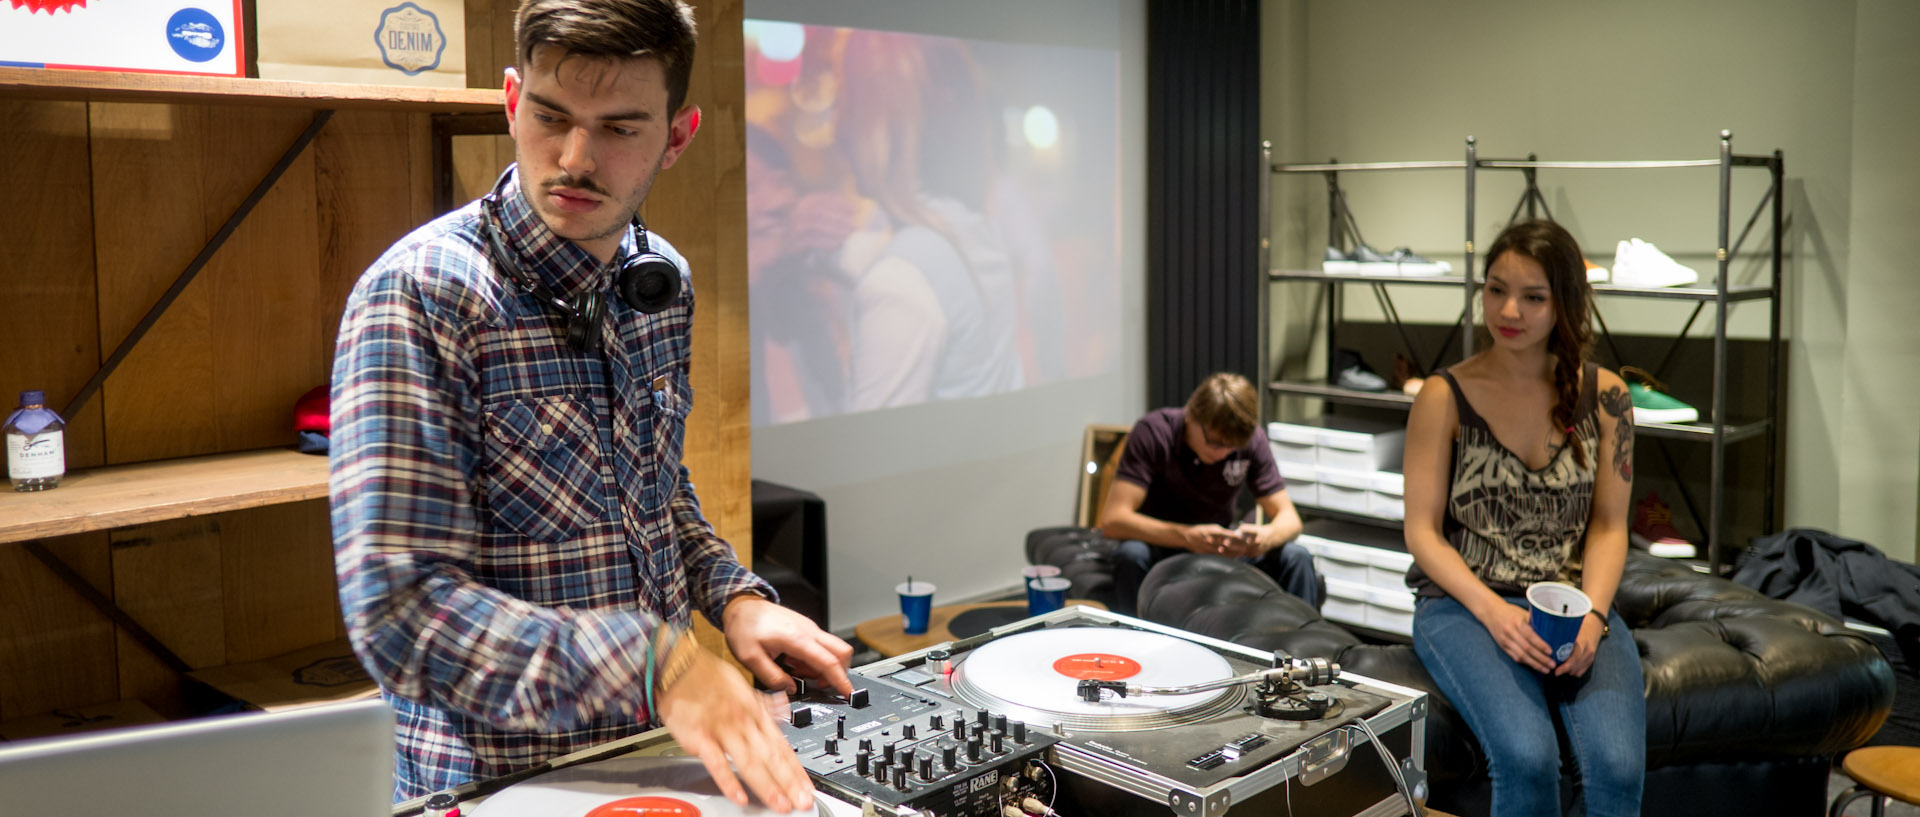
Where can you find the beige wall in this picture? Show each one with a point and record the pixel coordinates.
(1827, 83)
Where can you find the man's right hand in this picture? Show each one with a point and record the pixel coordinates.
(716, 716)
(1208, 539)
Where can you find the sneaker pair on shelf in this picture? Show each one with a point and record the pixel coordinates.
(1640, 265)
(1365, 260)
(1651, 403)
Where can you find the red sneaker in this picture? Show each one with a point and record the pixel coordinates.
(1653, 520)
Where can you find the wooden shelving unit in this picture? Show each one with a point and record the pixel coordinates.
(120, 495)
(111, 86)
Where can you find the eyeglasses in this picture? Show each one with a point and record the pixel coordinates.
(1208, 436)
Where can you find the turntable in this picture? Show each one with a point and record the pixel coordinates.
(627, 786)
(1076, 713)
(1139, 719)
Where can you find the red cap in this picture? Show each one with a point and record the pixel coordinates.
(310, 413)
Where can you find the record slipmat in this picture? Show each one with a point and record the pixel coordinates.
(1034, 676)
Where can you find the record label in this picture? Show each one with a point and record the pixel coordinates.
(645, 807)
(1096, 666)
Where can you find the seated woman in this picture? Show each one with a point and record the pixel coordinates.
(1519, 463)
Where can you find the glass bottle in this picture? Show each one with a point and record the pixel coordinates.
(36, 444)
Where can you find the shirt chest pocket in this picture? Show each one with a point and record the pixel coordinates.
(669, 402)
(543, 474)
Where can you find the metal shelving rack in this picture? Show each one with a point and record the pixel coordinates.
(1717, 432)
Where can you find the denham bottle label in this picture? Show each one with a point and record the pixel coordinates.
(410, 39)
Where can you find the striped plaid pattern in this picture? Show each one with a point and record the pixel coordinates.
(511, 519)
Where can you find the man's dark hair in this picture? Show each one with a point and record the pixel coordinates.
(1226, 407)
(622, 29)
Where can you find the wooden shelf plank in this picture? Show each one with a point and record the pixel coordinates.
(120, 495)
(112, 86)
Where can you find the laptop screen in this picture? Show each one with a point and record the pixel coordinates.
(325, 761)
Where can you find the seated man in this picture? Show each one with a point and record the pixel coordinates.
(1177, 486)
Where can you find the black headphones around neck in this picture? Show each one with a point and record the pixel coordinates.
(647, 281)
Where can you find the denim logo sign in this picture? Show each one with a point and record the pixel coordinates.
(410, 39)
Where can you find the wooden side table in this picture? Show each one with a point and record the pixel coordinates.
(1882, 772)
(887, 634)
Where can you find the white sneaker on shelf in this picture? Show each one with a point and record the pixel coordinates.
(1406, 263)
(1639, 265)
(1371, 262)
(1596, 274)
(1339, 263)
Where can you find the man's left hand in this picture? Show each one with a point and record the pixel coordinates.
(759, 631)
(1586, 646)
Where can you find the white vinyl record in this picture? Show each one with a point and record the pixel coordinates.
(1036, 676)
(624, 787)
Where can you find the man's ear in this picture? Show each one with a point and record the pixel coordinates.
(511, 90)
(680, 133)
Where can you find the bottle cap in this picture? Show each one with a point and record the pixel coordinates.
(34, 397)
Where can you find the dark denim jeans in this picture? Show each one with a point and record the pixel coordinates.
(1506, 706)
(1290, 565)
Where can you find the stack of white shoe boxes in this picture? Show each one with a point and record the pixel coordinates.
(1352, 465)
(1366, 572)
(1342, 464)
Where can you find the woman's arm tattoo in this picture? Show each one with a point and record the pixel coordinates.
(1617, 403)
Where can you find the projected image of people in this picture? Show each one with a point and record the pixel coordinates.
(929, 218)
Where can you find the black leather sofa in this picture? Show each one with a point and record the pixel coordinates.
(1748, 698)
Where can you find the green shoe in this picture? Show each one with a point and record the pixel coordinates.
(1650, 406)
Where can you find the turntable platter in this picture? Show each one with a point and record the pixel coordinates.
(625, 787)
(1034, 676)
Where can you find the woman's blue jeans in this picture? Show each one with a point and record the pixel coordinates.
(1506, 706)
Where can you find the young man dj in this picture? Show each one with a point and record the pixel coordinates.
(519, 549)
(1177, 488)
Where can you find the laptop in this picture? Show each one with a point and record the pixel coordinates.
(325, 761)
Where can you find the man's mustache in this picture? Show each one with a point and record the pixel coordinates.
(577, 182)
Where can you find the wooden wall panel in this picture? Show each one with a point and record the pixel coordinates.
(370, 190)
(167, 576)
(277, 583)
(56, 650)
(265, 280)
(692, 206)
(46, 263)
(149, 204)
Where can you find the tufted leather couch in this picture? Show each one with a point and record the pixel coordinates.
(1748, 698)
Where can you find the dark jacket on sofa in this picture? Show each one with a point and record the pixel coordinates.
(1840, 577)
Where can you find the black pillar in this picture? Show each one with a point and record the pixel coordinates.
(1203, 175)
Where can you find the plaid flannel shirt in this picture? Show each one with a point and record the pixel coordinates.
(511, 518)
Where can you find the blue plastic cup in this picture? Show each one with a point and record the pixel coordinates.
(1027, 575)
(1558, 610)
(916, 605)
(1047, 594)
